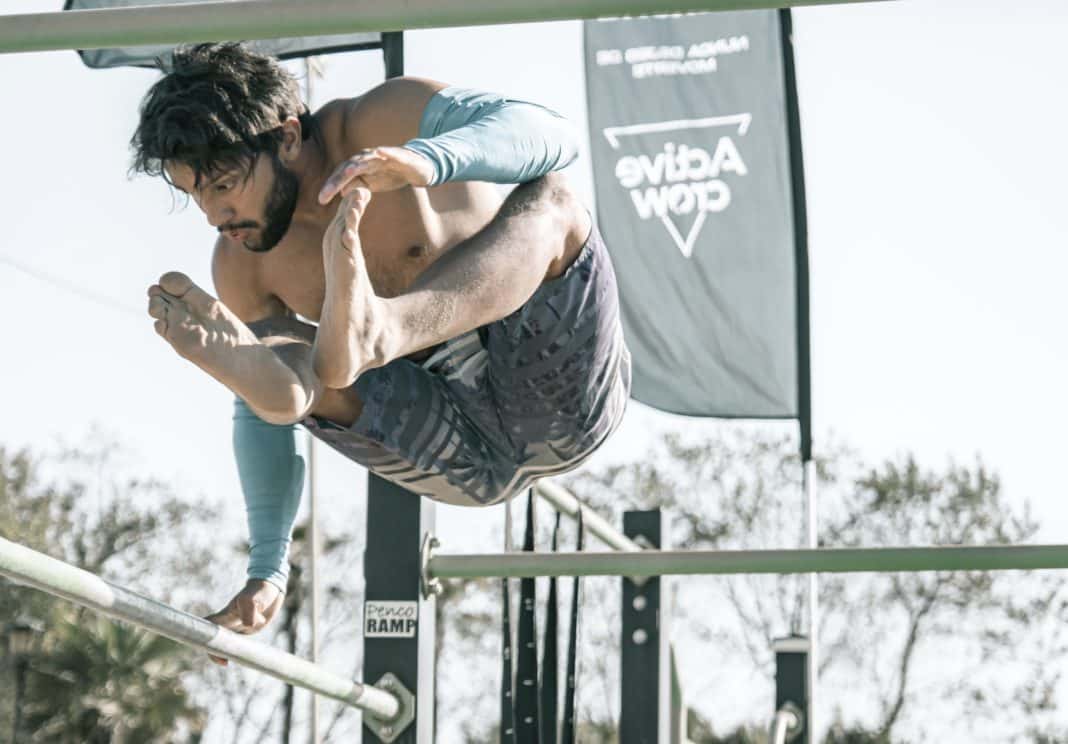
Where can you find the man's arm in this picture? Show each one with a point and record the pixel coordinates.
(470, 135)
(270, 470)
(272, 480)
(448, 134)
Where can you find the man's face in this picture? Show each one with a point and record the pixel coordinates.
(254, 212)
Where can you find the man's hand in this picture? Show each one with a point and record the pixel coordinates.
(250, 611)
(378, 169)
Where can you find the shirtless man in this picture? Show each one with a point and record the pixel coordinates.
(464, 346)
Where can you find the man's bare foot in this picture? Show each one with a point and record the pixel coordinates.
(204, 331)
(350, 335)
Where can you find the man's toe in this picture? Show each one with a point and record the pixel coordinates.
(175, 283)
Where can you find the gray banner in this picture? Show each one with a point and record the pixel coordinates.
(688, 131)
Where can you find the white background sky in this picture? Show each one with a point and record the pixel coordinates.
(935, 153)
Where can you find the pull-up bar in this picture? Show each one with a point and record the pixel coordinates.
(270, 19)
(568, 504)
(25, 566)
(694, 562)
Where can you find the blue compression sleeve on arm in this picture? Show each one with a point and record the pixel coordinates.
(470, 135)
(272, 479)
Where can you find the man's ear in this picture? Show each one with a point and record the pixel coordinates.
(292, 136)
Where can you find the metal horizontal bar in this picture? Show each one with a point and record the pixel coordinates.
(566, 503)
(25, 566)
(826, 560)
(269, 19)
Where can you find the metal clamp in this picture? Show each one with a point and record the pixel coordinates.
(644, 542)
(389, 731)
(429, 586)
(787, 724)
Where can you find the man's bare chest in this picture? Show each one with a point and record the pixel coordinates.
(400, 238)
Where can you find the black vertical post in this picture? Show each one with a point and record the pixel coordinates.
(645, 710)
(791, 682)
(393, 53)
(800, 210)
(397, 520)
(398, 621)
(21, 665)
(804, 351)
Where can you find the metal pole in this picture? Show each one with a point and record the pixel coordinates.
(564, 502)
(398, 630)
(792, 693)
(399, 620)
(28, 567)
(784, 721)
(268, 19)
(20, 684)
(645, 656)
(314, 538)
(812, 530)
(314, 545)
(826, 560)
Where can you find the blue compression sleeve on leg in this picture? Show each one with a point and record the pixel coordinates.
(272, 479)
(470, 135)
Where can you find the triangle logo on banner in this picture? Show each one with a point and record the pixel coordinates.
(661, 187)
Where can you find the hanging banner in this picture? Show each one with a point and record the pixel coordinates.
(689, 128)
(146, 56)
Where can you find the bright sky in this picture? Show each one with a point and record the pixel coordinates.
(934, 149)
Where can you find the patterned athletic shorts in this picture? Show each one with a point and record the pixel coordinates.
(491, 411)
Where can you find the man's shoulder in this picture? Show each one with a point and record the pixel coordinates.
(232, 265)
(387, 114)
(238, 276)
(229, 255)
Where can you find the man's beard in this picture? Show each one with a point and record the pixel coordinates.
(278, 212)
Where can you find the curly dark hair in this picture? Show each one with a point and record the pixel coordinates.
(216, 107)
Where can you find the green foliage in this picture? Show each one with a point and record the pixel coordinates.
(700, 731)
(741, 489)
(104, 681)
(88, 679)
(856, 734)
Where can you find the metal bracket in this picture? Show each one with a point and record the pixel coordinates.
(389, 731)
(430, 587)
(643, 541)
(793, 727)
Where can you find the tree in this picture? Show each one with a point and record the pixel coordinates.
(253, 707)
(297, 592)
(92, 680)
(741, 489)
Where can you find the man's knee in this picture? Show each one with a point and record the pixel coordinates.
(288, 408)
(567, 222)
(551, 193)
(291, 340)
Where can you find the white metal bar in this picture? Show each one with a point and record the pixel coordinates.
(268, 19)
(566, 503)
(314, 536)
(315, 564)
(25, 566)
(694, 562)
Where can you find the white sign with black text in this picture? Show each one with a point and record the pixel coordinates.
(390, 619)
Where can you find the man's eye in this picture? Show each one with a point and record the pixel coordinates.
(224, 186)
